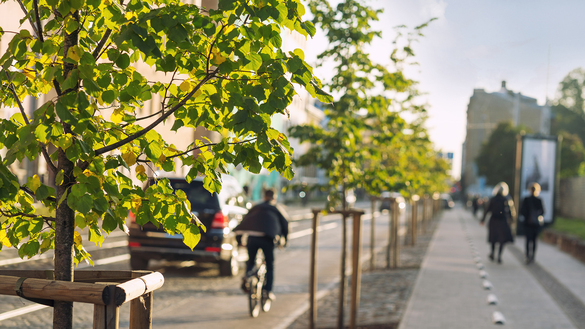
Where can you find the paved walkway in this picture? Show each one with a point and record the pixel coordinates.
(450, 292)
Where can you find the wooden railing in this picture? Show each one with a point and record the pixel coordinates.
(107, 290)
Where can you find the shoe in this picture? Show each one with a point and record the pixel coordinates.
(499, 261)
(491, 257)
(244, 285)
(268, 295)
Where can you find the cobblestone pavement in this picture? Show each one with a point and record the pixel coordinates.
(384, 292)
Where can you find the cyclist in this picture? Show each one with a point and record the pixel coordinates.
(266, 227)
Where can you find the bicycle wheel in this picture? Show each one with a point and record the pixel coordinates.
(254, 296)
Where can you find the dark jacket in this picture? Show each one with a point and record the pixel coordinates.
(502, 210)
(264, 218)
(531, 208)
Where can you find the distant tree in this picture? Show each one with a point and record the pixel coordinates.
(571, 92)
(566, 120)
(496, 159)
(572, 156)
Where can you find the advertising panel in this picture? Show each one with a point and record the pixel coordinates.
(539, 159)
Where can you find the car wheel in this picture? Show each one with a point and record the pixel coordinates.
(138, 263)
(229, 267)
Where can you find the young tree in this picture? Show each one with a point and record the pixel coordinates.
(223, 70)
(339, 147)
(496, 159)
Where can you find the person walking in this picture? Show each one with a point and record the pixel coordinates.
(532, 211)
(266, 227)
(502, 211)
(475, 205)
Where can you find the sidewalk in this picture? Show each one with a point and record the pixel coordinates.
(449, 292)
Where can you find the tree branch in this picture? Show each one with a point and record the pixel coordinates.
(32, 24)
(25, 117)
(31, 193)
(8, 214)
(101, 44)
(206, 145)
(162, 105)
(38, 19)
(213, 44)
(132, 137)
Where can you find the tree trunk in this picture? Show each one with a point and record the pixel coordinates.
(64, 228)
(65, 216)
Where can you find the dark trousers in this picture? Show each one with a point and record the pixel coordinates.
(267, 246)
(531, 233)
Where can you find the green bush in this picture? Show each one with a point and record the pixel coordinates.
(574, 227)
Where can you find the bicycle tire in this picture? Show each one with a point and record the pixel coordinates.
(254, 296)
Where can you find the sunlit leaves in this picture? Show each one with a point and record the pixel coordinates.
(224, 71)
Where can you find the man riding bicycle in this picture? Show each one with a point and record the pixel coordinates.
(266, 227)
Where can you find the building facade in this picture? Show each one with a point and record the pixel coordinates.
(484, 112)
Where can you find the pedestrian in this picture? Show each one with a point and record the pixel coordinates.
(266, 227)
(475, 205)
(531, 212)
(502, 212)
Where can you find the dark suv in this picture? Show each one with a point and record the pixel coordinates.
(220, 213)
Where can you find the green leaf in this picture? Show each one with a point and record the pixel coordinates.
(64, 114)
(59, 178)
(191, 236)
(123, 61)
(84, 204)
(95, 235)
(42, 192)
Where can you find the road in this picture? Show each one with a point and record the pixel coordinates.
(194, 294)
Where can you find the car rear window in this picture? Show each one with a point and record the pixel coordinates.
(199, 197)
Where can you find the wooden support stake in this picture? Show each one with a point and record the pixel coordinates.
(356, 275)
(107, 316)
(343, 279)
(395, 226)
(389, 246)
(313, 274)
(373, 236)
(141, 312)
(413, 220)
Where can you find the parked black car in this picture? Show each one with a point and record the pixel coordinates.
(220, 213)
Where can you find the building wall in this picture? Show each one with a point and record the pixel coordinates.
(485, 111)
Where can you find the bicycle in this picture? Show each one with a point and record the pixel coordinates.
(257, 298)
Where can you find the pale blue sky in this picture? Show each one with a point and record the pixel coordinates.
(477, 44)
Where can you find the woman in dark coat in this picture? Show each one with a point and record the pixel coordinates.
(502, 211)
(532, 211)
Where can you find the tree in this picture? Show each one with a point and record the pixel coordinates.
(360, 125)
(496, 159)
(570, 94)
(569, 111)
(223, 70)
(572, 156)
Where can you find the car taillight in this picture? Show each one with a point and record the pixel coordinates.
(219, 220)
(213, 249)
(132, 217)
(133, 244)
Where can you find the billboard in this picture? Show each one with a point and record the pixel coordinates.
(539, 160)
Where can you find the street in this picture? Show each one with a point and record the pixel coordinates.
(195, 294)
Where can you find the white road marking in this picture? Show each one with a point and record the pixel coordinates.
(21, 311)
(309, 231)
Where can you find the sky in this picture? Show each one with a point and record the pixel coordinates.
(532, 44)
